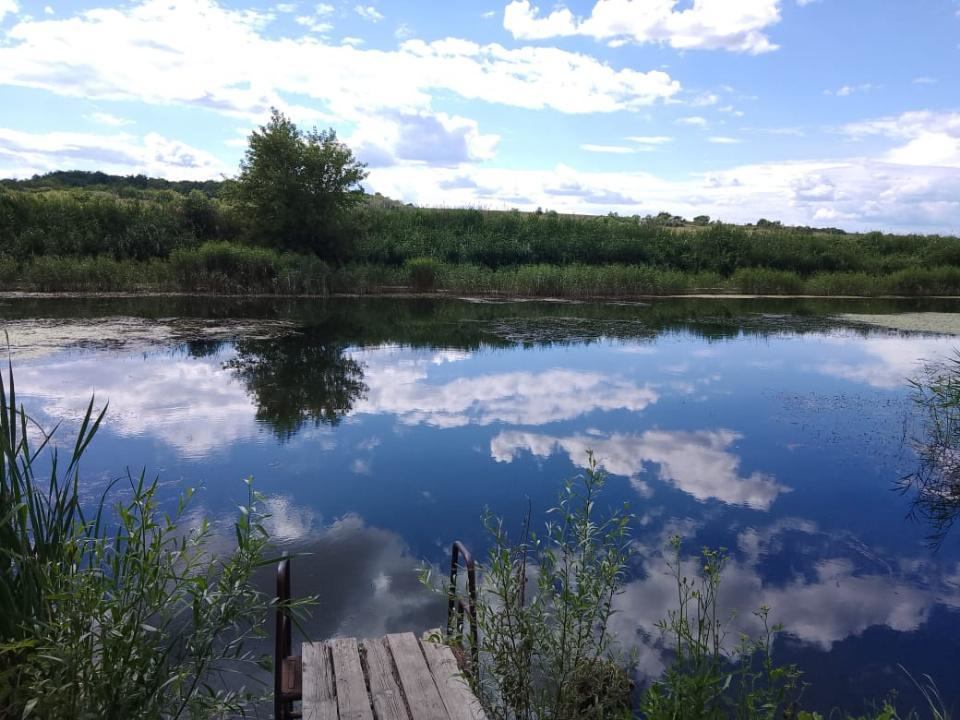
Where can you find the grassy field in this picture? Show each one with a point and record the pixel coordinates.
(90, 232)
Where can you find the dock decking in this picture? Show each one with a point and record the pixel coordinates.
(397, 677)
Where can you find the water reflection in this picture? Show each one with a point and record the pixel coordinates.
(837, 588)
(699, 463)
(296, 380)
(380, 429)
(365, 579)
(400, 386)
(886, 360)
(195, 407)
(935, 484)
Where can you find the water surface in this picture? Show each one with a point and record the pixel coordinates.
(380, 429)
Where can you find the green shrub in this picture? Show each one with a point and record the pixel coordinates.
(423, 273)
(766, 281)
(546, 650)
(708, 680)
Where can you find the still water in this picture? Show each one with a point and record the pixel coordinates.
(380, 430)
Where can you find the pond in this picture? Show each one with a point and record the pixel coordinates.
(381, 428)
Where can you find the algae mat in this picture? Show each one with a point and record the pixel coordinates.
(931, 322)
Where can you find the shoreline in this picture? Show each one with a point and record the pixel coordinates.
(452, 295)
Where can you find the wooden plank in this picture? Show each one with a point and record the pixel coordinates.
(455, 693)
(319, 700)
(417, 683)
(352, 700)
(388, 703)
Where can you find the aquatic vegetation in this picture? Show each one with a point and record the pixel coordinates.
(935, 484)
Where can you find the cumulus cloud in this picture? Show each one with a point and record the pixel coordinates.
(699, 463)
(8, 7)
(437, 139)
(198, 52)
(23, 153)
(932, 138)
(876, 194)
(705, 25)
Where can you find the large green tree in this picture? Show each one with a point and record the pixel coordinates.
(297, 188)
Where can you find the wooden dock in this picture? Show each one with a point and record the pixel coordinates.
(397, 677)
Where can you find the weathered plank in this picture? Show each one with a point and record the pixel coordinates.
(319, 700)
(384, 692)
(352, 699)
(415, 678)
(457, 697)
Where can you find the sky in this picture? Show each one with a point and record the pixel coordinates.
(830, 113)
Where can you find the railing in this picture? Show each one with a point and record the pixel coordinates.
(287, 672)
(456, 609)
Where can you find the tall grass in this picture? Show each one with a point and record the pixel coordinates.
(117, 611)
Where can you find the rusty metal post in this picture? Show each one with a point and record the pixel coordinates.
(455, 607)
(283, 640)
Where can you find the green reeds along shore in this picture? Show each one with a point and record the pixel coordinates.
(138, 234)
(229, 268)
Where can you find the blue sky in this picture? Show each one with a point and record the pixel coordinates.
(822, 112)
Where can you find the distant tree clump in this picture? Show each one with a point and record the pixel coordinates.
(296, 188)
(701, 220)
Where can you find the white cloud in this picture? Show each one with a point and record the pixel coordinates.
(723, 140)
(692, 121)
(925, 81)
(434, 138)
(48, 10)
(368, 12)
(489, 14)
(705, 25)
(104, 118)
(649, 139)
(24, 153)
(705, 100)
(611, 149)
(352, 41)
(314, 24)
(199, 53)
(933, 138)
(698, 463)
(848, 90)
(877, 194)
(8, 6)
(285, 7)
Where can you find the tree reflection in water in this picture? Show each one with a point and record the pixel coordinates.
(935, 484)
(294, 379)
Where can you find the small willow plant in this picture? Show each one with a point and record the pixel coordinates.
(127, 612)
(544, 609)
(708, 679)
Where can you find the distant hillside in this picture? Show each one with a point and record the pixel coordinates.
(64, 179)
